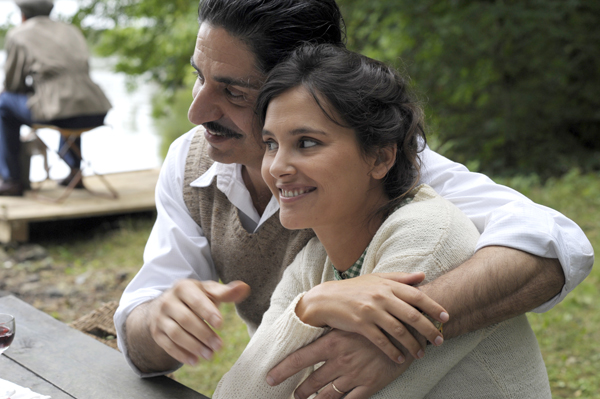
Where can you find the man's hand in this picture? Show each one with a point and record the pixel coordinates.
(494, 285)
(177, 324)
(352, 363)
(375, 304)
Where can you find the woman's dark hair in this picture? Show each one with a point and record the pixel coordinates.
(272, 29)
(368, 96)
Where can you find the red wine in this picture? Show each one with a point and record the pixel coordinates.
(6, 337)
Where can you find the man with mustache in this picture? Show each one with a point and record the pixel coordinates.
(217, 220)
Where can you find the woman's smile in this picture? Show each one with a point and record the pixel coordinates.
(314, 166)
(287, 193)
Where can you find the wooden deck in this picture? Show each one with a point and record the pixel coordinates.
(135, 194)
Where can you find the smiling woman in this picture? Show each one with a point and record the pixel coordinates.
(315, 168)
(342, 136)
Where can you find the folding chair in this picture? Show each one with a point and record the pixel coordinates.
(70, 136)
(32, 145)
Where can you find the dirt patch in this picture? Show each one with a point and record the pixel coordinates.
(29, 273)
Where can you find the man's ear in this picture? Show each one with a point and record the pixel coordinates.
(385, 159)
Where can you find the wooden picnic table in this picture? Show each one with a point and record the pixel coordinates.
(54, 359)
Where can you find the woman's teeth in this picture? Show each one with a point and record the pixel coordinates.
(294, 193)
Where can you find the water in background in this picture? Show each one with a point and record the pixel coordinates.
(128, 142)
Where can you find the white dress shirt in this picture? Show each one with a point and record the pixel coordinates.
(177, 248)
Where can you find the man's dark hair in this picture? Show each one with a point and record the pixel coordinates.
(272, 29)
(35, 8)
(366, 96)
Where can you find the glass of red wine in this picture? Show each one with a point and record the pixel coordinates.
(7, 331)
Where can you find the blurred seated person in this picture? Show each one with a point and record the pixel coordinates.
(47, 82)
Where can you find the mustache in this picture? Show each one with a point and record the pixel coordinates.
(215, 127)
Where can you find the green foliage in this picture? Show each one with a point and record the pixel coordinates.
(511, 83)
(170, 116)
(577, 195)
(4, 28)
(148, 36)
(569, 334)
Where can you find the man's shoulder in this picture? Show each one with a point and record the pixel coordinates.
(38, 26)
(13, 34)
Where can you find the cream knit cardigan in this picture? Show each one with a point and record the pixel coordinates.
(430, 235)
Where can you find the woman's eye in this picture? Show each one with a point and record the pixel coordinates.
(307, 143)
(271, 145)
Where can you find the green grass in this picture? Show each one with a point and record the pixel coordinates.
(204, 376)
(111, 243)
(569, 334)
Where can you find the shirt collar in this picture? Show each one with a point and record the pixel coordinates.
(353, 271)
(230, 182)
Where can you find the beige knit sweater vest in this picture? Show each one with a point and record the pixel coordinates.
(258, 259)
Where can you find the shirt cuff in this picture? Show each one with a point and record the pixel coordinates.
(536, 230)
(126, 306)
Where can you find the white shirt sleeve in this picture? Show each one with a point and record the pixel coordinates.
(505, 217)
(176, 248)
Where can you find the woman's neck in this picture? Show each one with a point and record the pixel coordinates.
(345, 243)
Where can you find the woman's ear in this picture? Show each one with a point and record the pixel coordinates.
(385, 159)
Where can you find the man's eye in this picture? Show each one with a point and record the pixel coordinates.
(198, 76)
(307, 143)
(235, 94)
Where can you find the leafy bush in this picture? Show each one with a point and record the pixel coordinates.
(512, 84)
(152, 36)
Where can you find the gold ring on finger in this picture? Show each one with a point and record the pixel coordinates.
(337, 390)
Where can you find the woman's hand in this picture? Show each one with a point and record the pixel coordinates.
(374, 303)
(352, 363)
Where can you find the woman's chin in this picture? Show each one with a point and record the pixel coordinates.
(293, 223)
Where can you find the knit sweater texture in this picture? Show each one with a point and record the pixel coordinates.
(259, 258)
(430, 235)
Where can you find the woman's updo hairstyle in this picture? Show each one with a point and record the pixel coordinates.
(369, 97)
